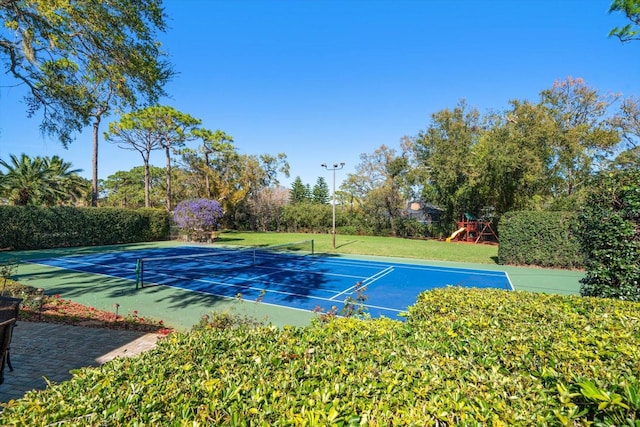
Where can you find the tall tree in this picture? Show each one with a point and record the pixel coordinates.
(174, 128)
(445, 150)
(627, 122)
(227, 170)
(510, 163)
(345, 197)
(246, 175)
(271, 166)
(212, 142)
(631, 9)
(298, 193)
(134, 132)
(155, 127)
(384, 174)
(320, 191)
(353, 191)
(80, 59)
(233, 178)
(184, 185)
(128, 189)
(205, 170)
(584, 137)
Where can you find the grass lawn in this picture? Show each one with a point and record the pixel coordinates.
(374, 245)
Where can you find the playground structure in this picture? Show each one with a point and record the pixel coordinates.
(473, 230)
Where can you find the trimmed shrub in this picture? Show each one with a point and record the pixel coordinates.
(545, 239)
(33, 227)
(464, 357)
(610, 235)
(159, 224)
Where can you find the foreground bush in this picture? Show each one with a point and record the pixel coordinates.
(464, 357)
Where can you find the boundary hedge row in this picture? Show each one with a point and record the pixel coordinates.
(545, 239)
(33, 227)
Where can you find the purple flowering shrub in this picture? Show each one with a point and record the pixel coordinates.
(198, 217)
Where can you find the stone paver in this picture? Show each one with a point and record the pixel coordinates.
(40, 350)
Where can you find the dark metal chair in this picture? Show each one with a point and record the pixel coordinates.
(9, 309)
(6, 329)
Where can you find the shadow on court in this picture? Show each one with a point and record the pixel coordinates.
(178, 308)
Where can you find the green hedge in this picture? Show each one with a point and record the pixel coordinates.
(545, 239)
(610, 236)
(159, 224)
(32, 227)
(464, 357)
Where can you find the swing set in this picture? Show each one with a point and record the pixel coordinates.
(473, 230)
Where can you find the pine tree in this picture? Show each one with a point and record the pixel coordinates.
(298, 192)
(320, 192)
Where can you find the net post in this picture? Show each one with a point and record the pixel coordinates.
(139, 272)
(312, 248)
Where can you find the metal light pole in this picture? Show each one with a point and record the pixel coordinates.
(334, 168)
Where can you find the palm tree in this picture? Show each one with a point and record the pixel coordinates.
(36, 181)
(65, 183)
(24, 180)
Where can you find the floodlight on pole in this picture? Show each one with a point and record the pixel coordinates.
(334, 168)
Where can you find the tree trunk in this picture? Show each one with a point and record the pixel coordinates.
(147, 184)
(168, 201)
(206, 175)
(94, 180)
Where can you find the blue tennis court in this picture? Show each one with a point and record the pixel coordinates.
(304, 282)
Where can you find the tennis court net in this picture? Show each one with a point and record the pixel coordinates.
(244, 257)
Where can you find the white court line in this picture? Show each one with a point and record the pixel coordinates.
(73, 261)
(378, 275)
(455, 270)
(509, 280)
(368, 280)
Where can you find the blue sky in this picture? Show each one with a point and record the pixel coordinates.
(324, 81)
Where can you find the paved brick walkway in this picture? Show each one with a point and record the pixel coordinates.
(50, 350)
